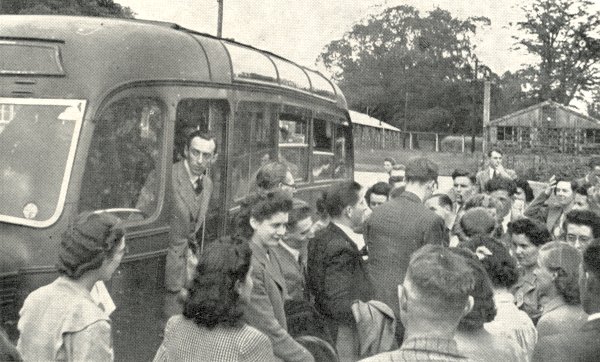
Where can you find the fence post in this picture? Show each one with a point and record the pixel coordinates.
(463, 144)
(437, 143)
(410, 140)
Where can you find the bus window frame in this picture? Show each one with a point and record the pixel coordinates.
(303, 114)
(70, 162)
(334, 120)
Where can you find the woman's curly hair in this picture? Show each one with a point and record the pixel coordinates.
(484, 308)
(501, 267)
(564, 260)
(260, 207)
(212, 297)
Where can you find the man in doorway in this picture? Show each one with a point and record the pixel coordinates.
(495, 169)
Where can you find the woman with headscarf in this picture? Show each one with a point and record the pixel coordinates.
(62, 321)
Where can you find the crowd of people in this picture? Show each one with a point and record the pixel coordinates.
(398, 271)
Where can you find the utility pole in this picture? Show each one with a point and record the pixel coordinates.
(474, 120)
(220, 19)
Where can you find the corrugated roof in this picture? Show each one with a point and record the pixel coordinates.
(540, 105)
(366, 120)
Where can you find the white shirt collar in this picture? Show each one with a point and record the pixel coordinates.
(193, 178)
(356, 238)
(506, 220)
(295, 253)
(491, 171)
(593, 316)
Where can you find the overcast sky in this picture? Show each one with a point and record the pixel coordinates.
(299, 29)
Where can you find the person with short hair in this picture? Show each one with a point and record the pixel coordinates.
(399, 227)
(262, 221)
(557, 275)
(475, 222)
(434, 297)
(472, 338)
(490, 204)
(464, 185)
(592, 178)
(527, 236)
(580, 198)
(337, 274)
(63, 320)
(580, 345)
(275, 175)
(397, 179)
(580, 228)
(495, 169)
(388, 164)
(378, 194)
(501, 267)
(441, 205)
(554, 213)
(211, 326)
(503, 190)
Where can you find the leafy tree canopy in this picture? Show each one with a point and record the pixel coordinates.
(104, 8)
(560, 34)
(400, 55)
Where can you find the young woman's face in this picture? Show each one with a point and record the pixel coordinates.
(525, 251)
(269, 231)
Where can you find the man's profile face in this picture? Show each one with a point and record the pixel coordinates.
(376, 200)
(300, 233)
(359, 212)
(463, 188)
(495, 159)
(199, 154)
(580, 202)
(505, 199)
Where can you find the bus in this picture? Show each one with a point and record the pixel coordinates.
(89, 107)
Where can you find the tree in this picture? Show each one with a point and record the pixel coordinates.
(559, 33)
(398, 55)
(104, 8)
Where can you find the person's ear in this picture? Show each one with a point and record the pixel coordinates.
(348, 211)
(402, 297)
(468, 305)
(254, 223)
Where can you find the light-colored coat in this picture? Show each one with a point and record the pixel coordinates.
(483, 177)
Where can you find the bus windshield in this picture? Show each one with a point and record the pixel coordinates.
(37, 146)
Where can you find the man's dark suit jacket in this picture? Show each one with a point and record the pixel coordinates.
(393, 232)
(583, 345)
(337, 276)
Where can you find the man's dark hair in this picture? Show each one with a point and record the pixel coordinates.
(300, 211)
(380, 188)
(442, 278)
(500, 266)
(260, 207)
(421, 170)
(583, 217)
(495, 149)
(501, 183)
(464, 173)
(535, 231)
(213, 299)
(443, 200)
(524, 185)
(580, 189)
(341, 195)
(205, 135)
(271, 175)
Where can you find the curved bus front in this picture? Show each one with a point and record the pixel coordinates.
(102, 105)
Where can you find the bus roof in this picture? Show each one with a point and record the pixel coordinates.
(108, 51)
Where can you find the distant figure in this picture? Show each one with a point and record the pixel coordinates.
(501, 267)
(337, 274)
(472, 338)
(401, 226)
(388, 164)
(527, 236)
(435, 295)
(464, 186)
(62, 320)
(378, 194)
(552, 214)
(262, 221)
(211, 327)
(580, 228)
(581, 345)
(557, 275)
(397, 179)
(592, 178)
(495, 169)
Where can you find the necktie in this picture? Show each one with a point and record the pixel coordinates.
(495, 174)
(199, 186)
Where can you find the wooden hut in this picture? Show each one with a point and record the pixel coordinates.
(370, 132)
(547, 127)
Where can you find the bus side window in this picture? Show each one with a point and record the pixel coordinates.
(123, 156)
(253, 144)
(342, 150)
(323, 160)
(293, 145)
